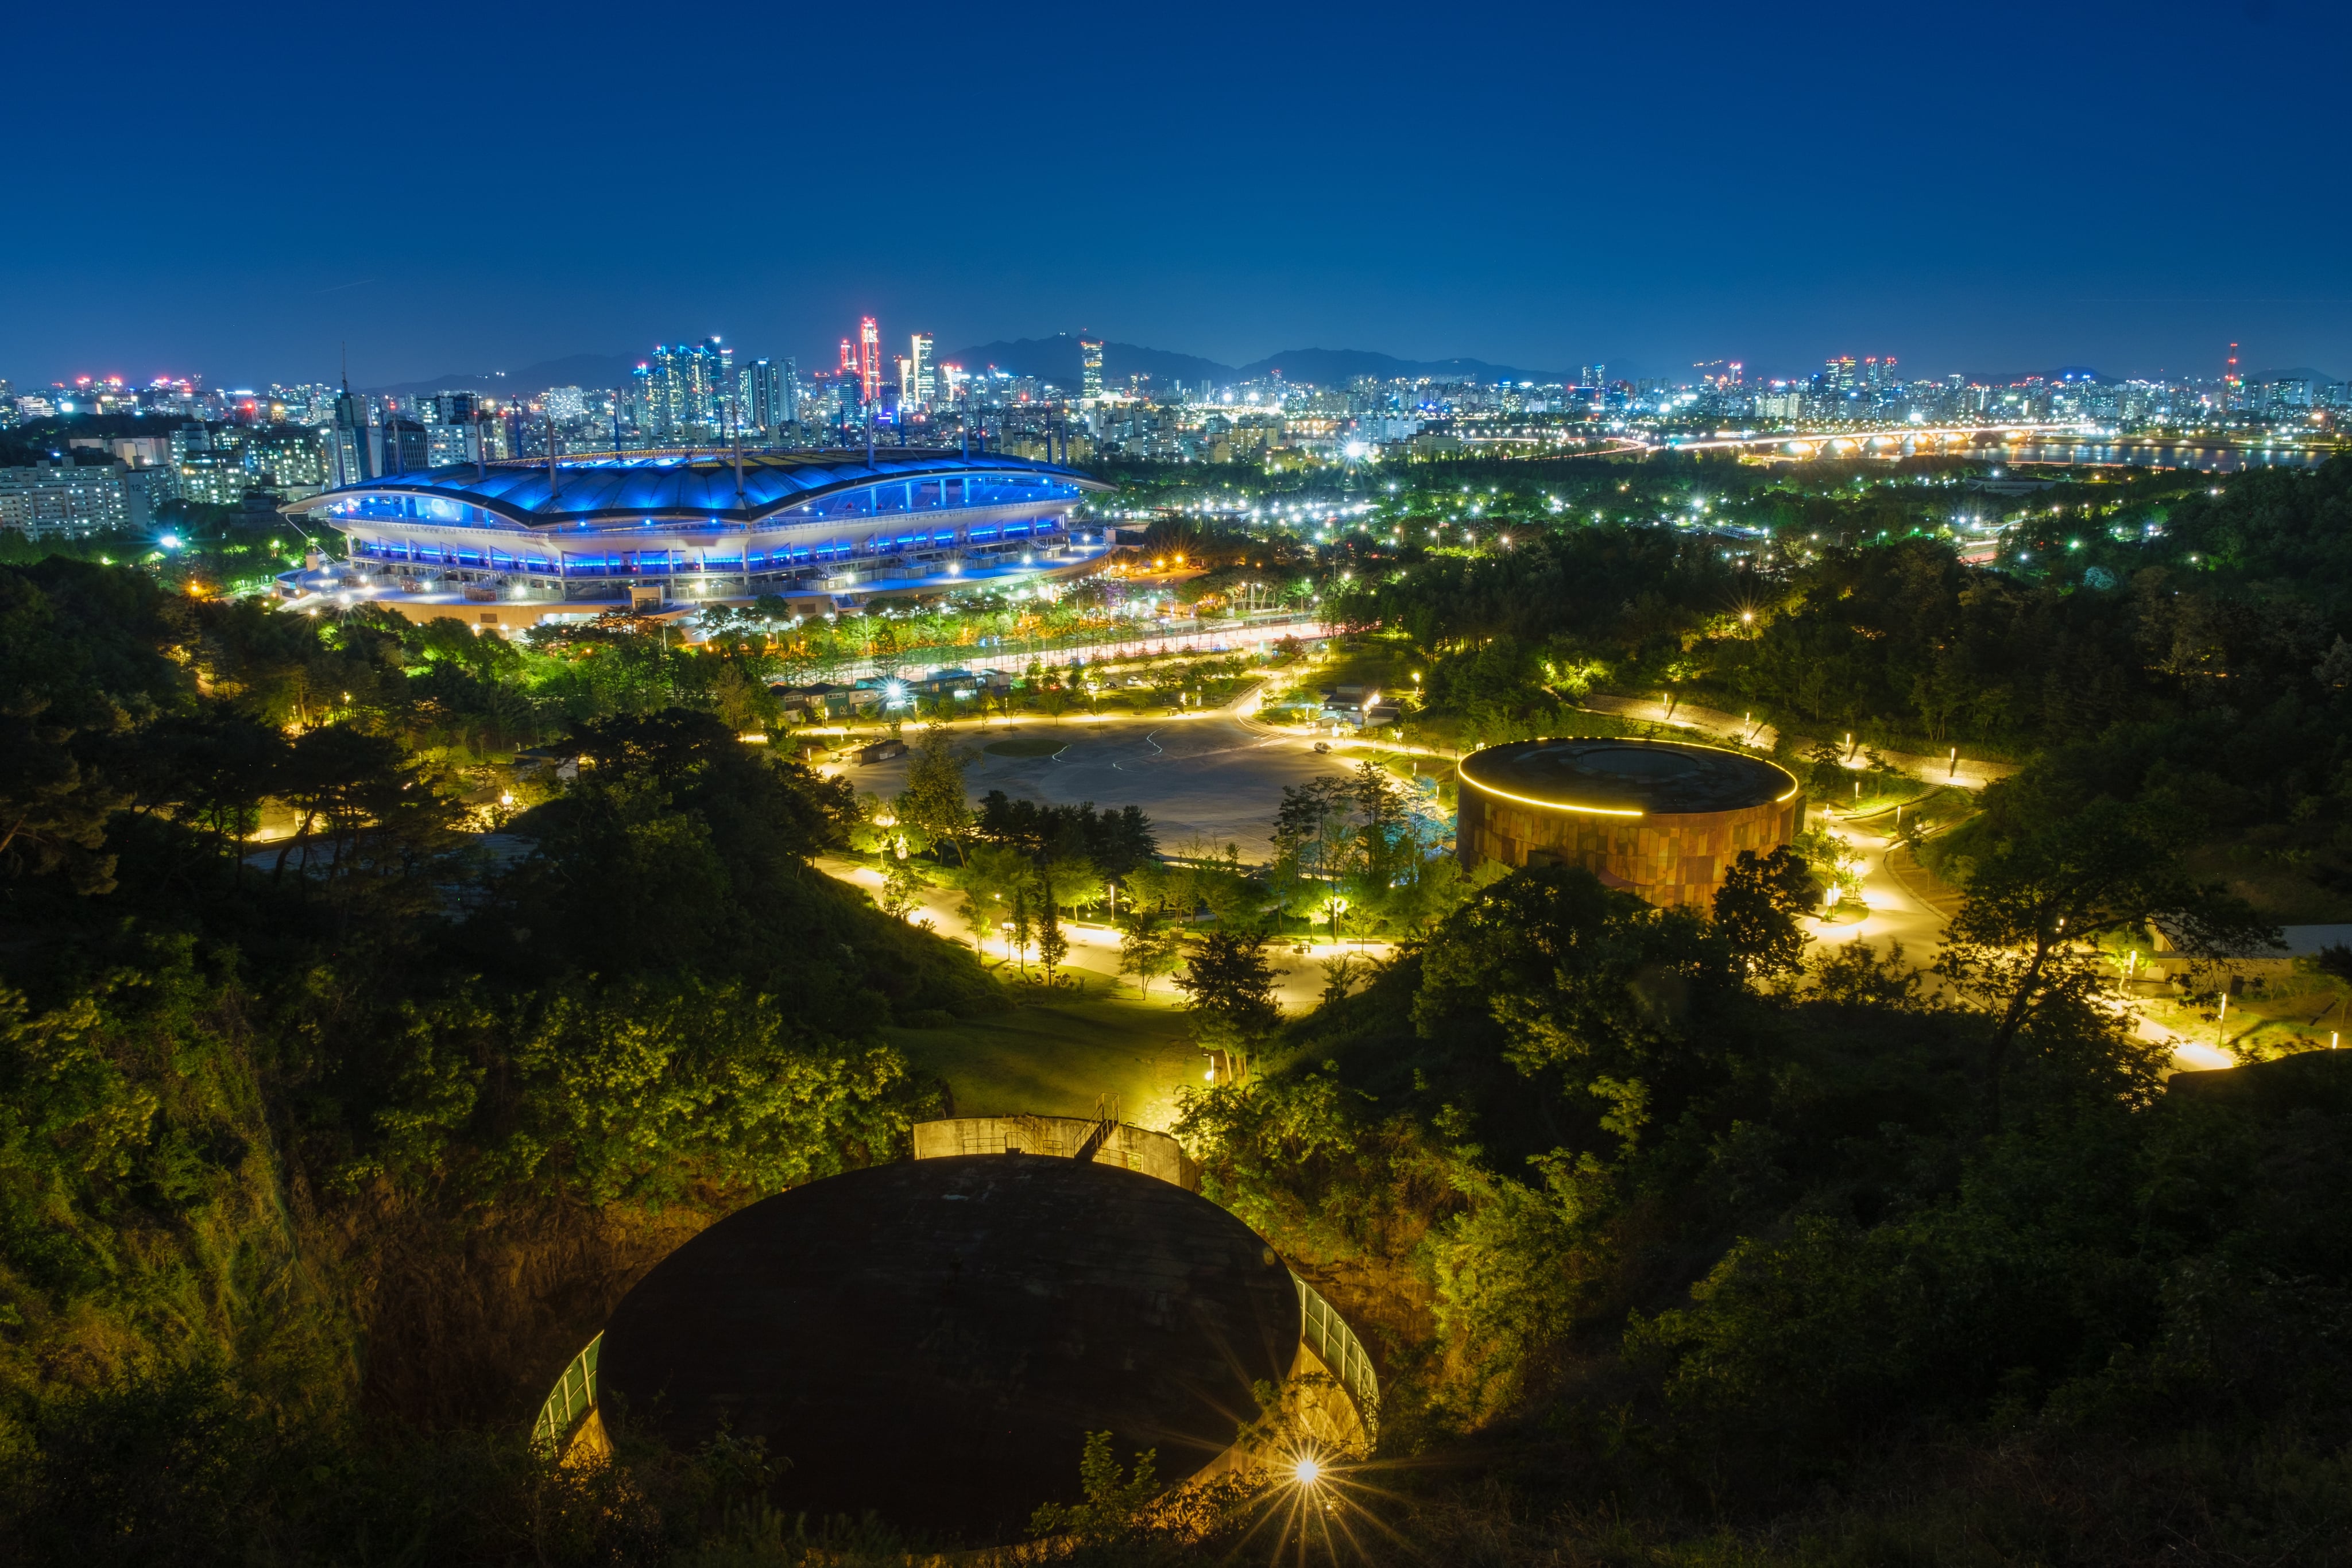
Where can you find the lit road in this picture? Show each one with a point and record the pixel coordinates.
(1898, 912)
(1094, 945)
(1205, 779)
(1213, 779)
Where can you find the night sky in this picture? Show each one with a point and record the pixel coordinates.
(239, 190)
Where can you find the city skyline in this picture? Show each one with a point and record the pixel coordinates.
(870, 362)
(2121, 189)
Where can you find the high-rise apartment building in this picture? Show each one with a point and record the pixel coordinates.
(63, 498)
(1089, 369)
(768, 396)
(927, 383)
(397, 446)
(214, 478)
(292, 456)
(869, 360)
(347, 442)
(684, 389)
(449, 443)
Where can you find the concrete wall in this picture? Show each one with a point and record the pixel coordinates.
(1680, 858)
(1129, 1148)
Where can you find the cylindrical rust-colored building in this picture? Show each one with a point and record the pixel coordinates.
(1662, 819)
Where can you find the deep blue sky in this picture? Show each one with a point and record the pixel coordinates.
(238, 189)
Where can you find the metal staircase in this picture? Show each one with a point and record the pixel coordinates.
(1106, 1123)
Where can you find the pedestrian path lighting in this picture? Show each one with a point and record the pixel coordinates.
(1335, 905)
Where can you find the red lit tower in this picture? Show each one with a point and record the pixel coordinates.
(869, 360)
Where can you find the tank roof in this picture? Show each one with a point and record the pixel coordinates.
(933, 1341)
(1625, 778)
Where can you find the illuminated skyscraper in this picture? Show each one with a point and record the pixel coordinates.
(347, 443)
(869, 360)
(767, 396)
(927, 385)
(1090, 369)
(686, 391)
(848, 358)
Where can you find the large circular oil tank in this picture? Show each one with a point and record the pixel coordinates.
(933, 1341)
(1662, 819)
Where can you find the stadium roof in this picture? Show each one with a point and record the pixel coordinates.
(701, 485)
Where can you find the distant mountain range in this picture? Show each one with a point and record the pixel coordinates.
(1336, 367)
(572, 370)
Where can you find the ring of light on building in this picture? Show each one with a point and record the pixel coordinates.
(511, 543)
(1661, 818)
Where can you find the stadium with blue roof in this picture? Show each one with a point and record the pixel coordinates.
(511, 544)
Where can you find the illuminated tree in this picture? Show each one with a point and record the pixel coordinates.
(933, 799)
(1758, 905)
(1148, 947)
(1229, 988)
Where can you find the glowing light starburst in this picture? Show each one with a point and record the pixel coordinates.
(1313, 1506)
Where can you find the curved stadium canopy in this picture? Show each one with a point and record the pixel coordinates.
(614, 531)
(704, 486)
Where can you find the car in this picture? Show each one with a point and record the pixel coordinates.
(1322, 746)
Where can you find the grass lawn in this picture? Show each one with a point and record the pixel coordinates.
(1034, 747)
(2288, 1014)
(1053, 1055)
(1053, 1058)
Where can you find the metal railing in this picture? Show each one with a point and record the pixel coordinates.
(568, 1404)
(1104, 1123)
(1326, 1333)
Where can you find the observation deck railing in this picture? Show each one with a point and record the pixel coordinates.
(574, 1395)
(1100, 1139)
(1321, 1330)
(1326, 1333)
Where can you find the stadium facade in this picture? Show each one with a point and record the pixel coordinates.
(511, 544)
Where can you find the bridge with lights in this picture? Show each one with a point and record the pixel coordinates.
(1899, 441)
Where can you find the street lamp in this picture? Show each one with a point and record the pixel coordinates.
(1338, 906)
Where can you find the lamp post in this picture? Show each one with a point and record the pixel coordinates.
(1338, 906)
